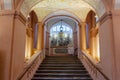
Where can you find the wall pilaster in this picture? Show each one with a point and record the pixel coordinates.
(106, 45)
(12, 44)
(116, 37)
(83, 35)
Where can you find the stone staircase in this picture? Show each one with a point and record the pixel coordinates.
(61, 68)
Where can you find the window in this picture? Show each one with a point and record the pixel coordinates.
(61, 34)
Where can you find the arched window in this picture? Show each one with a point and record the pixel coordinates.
(57, 27)
(61, 34)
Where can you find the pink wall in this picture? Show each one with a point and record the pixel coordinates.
(116, 29)
(18, 48)
(6, 29)
(106, 47)
(75, 37)
(12, 47)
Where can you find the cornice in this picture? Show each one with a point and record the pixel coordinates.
(107, 15)
(116, 12)
(7, 12)
(20, 16)
(14, 13)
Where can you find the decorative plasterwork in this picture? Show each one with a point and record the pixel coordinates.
(61, 13)
(117, 4)
(71, 22)
(43, 12)
(98, 6)
(78, 7)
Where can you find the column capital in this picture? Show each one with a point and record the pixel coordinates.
(83, 24)
(106, 16)
(29, 31)
(14, 14)
(7, 12)
(39, 23)
(116, 12)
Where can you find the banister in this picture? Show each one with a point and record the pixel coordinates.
(29, 66)
(95, 67)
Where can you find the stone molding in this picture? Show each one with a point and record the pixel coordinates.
(116, 12)
(20, 16)
(14, 13)
(107, 15)
(29, 31)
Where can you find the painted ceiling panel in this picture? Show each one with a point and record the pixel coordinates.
(63, 13)
(78, 7)
(46, 7)
(98, 6)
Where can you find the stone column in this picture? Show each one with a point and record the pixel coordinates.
(116, 35)
(40, 33)
(83, 35)
(6, 44)
(12, 44)
(29, 40)
(93, 42)
(107, 45)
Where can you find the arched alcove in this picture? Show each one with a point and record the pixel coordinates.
(92, 35)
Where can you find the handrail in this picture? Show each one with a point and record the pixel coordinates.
(96, 67)
(28, 67)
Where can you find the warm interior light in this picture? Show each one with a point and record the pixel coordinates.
(98, 48)
(28, 48)
(55, 36)
(65, 35)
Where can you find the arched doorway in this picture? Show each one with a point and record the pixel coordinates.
(61, 36)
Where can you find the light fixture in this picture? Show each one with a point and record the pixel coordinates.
(61, 28)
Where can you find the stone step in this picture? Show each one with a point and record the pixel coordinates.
(61, 78)
(61, 71)
(61, 68)
(60, 75)
(55, 60)
(55, 72)
(61, 65)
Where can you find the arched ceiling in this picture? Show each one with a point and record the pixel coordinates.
(80, 8)
(61, 13)
(71, 22)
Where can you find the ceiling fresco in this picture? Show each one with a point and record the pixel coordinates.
(79, 8)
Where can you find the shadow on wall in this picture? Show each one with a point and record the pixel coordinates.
(2, 64)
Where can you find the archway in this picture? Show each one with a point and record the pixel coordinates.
(92, 35)
(98, 6)
(61, 32)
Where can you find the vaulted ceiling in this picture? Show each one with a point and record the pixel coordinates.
(79, 8)
(71, 22)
